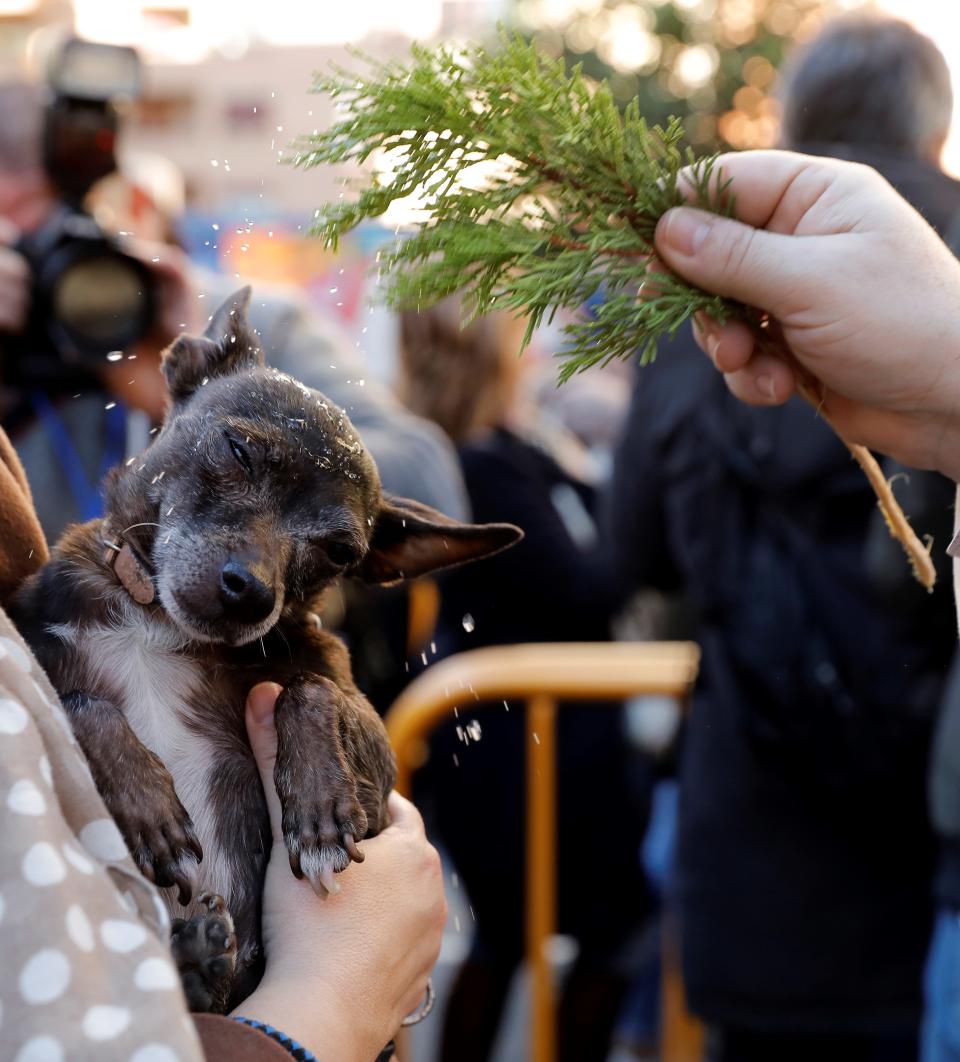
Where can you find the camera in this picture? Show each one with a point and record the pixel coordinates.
(88, 297)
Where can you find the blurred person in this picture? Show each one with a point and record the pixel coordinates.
(67, 443)
(87, 971)
(804, 862)
(557, 587)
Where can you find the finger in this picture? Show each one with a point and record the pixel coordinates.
(261, 702)
(729, 346)
(404, 815)
(764, 381)
(729, 258)
(759, 180)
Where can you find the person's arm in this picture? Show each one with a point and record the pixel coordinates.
(342, 973)
(864, 296)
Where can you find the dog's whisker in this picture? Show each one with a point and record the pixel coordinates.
(285, 642)
(146, 523)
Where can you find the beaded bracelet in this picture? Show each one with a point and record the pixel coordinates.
(298, 1051)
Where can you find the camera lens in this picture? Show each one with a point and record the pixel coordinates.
(99, 301)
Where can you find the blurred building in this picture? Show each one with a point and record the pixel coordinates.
(226, 87)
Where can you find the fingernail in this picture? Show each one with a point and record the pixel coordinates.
(713, 345)
(765, 386)
(685, 230)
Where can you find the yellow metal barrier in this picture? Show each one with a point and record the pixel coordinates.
(540, 675)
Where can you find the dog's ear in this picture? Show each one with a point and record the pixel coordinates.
(228, 345)
(411, 539)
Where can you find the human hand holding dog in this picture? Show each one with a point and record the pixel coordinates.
(343, 973)
(865, 296)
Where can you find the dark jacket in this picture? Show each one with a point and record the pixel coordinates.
(804, 864)
(804, 860)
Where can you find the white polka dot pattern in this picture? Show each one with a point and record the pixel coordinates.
(79, 929)
(45, 977)
(42, 865)
(154, 1053)
(25, 798)
(78, 860)
(103, 840)
(40, 1049)
(13, 718)
(84, 970)
(11, 651)
(154, 975)
(122, 936)
(105, 1022)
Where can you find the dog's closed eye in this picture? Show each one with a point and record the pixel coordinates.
(242, 455)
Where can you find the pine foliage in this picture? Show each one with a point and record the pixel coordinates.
(538, 192)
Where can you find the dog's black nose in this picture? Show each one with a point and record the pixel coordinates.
(243, 596)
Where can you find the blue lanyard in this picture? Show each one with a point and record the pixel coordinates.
(86, 496)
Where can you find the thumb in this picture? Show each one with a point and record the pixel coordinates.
(727, 257)
(261, 701)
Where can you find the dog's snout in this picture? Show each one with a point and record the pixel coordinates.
(243, 595)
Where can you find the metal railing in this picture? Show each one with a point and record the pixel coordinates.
(540, 675)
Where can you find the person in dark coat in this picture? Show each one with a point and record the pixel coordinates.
(804, 861)
(555, 585)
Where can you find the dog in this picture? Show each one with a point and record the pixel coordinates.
(202, 580)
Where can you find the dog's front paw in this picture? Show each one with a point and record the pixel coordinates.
(157, 829)
(321, 826)
(205, 950)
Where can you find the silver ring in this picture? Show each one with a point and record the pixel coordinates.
(429, 1001)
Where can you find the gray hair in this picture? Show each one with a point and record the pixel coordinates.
(868, 80)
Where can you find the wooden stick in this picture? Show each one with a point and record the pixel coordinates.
(917, 553)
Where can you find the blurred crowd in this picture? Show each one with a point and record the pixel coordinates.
(806, 809)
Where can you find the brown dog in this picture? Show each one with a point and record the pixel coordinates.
(156, 621)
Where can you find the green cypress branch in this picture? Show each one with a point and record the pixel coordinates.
(538, 192)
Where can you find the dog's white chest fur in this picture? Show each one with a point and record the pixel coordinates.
(141, 661)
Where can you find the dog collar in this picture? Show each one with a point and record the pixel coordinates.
(134, 573)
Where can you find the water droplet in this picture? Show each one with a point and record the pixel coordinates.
(115, 355)
(468, 623)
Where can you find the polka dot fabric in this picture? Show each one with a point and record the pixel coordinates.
(86, 971)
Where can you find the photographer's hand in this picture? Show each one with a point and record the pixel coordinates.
(138, 381)
(14, 281)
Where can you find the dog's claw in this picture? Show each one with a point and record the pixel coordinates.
(193, 843)
(318, 887)
(328, 881)
(184, 887)
(353, 849)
